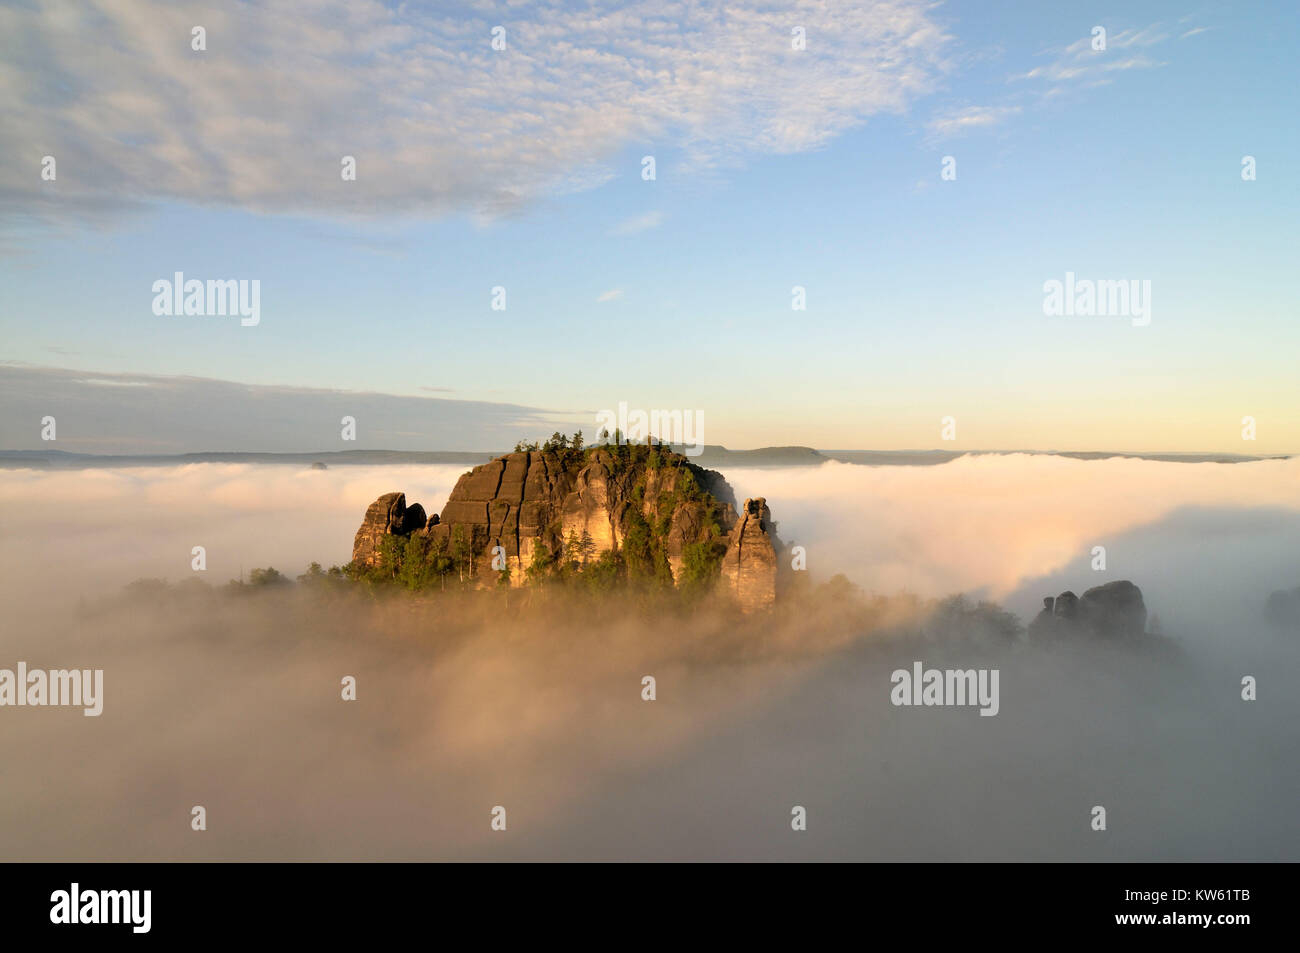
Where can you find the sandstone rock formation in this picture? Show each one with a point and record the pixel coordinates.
(749, 567)
(1113, 609)
(385, 516)
(644, 502)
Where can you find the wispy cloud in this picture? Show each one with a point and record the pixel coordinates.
(611, 295)
(438, 121)
(969, 119)
(1078, 64)
(639, 223)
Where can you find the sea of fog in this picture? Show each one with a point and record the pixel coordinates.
(1206, 542)
(466, 704)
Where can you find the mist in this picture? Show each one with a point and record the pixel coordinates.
(533, 700)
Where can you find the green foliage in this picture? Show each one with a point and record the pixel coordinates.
(688, 487)
(416, 571)
(542, 563)
(701, 563)
(267, 577)
(663, 577)
(315, 573)
(461, 555)
(955, 616)
(839, 589)
(638, 546)
(317, 577)
(604, 573)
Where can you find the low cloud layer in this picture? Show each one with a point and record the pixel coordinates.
(233, 702)
(998, 524)
(1012, 528)
(108, 413)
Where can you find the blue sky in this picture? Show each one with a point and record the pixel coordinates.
(924, 295)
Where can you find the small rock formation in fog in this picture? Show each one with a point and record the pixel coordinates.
(1113, 609)
(1283, 608)
(599, 498)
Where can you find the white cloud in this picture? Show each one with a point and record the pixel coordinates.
(611, 295)
(437, 120)
(639, 223)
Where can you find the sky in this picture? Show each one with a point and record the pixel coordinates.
(522, 169)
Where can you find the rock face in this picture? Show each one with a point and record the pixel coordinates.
(644, 502)
(383, 517)
(1113, 609)
(749, 567)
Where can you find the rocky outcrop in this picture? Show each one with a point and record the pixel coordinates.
(1113, 609)
(749, 566)
(386, 516)
(1283, 608)
(531, 508)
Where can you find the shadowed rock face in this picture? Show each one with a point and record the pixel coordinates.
(1113, 609)
(528, 500)
(749, 567)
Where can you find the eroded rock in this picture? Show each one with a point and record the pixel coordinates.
(749, 566)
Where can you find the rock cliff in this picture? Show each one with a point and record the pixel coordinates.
(659, 512)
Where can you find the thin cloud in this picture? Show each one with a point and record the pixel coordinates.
(970, 119)
(639, 223)
(1078, 64)
(612, 295)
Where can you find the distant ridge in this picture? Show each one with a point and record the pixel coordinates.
(931, 457)
(59, 459)
(711, 456)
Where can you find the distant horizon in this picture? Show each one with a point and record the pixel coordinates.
(132, 414)
(708, 447)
